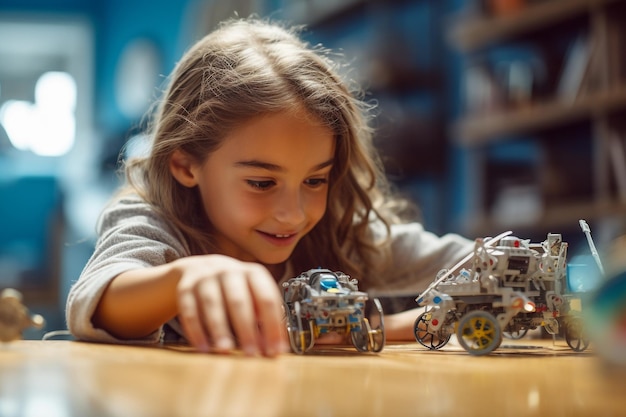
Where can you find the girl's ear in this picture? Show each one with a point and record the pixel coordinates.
(182, 168)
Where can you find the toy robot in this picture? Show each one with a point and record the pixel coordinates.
(320, 301)
(506, 285)
(14, 316)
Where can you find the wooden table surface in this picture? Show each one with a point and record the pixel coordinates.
(521, 378)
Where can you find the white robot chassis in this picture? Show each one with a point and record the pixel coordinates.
(506, 286)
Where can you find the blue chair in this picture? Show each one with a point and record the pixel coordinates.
(31, 229)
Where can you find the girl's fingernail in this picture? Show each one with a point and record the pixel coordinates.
(250, 350)
(224, 344)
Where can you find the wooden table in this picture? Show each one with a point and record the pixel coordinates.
(521, 378)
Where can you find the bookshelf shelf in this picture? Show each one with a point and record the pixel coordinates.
(552, 219)
(469, 33)
(475, 130)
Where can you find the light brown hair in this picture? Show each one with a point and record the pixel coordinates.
(249, 67)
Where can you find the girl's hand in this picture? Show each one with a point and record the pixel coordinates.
(224, 303)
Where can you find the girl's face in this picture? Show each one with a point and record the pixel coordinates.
(266, 186)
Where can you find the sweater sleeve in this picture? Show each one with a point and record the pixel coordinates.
(131, 235)
(416, 257)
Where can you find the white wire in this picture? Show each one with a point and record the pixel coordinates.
(55, 333)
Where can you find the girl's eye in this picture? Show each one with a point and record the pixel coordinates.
(260, 185)
(316, 182)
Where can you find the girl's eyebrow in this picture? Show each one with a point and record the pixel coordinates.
(277, 168)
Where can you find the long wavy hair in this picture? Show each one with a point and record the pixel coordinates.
(248, 67)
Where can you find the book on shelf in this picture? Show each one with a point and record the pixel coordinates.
(576, 69)
(618, 160)
(616, 41)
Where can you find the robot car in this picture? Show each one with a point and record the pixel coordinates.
(320, 301)
(505, 286)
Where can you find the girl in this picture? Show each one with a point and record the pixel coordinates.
(261, 167)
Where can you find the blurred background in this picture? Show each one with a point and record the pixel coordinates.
(493, 115)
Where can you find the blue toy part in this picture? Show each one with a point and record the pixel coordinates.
(610, 297)
(322, 320)
(606, 318)
(328, 283)
(583, 274)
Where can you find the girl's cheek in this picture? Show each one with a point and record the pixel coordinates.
(317, 205)
(253, 207)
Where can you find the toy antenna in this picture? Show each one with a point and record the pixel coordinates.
(592, 246)
(467, 257)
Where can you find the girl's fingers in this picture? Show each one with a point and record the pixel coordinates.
(213, 315)
(240, 307)
(269, 313)
(237, 304)
(190, 320)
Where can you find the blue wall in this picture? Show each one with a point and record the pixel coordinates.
(119, 22)
(115, 23)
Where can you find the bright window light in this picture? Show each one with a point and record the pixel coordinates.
(48, 126)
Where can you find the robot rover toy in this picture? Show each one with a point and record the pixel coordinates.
(320, 301)
(506, 285)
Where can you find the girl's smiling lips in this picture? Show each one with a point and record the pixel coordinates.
(280, 239)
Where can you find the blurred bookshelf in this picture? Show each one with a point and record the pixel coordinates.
(551, 74)
(472, 32)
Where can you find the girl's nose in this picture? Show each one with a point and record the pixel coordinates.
(290, 208)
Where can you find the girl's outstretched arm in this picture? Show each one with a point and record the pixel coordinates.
(138, 302)
(221, 303)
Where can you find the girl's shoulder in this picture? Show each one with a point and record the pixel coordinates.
(127, 201)
(380, 231)
(130, 217)
(130, 209)
(413, 234)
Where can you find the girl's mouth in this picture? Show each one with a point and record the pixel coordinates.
(280, 239)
